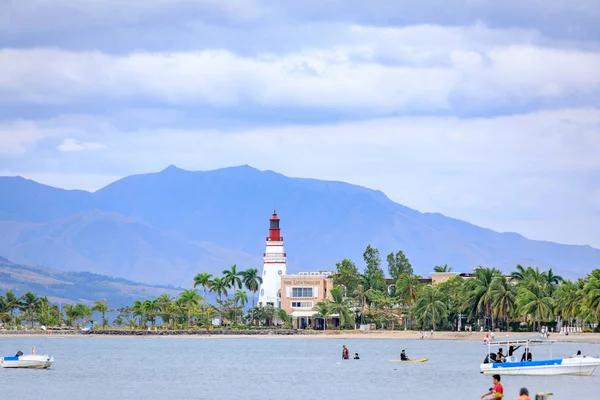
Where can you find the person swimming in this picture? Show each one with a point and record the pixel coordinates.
(524, 394)
(356, 357)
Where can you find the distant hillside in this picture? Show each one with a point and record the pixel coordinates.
(141, 227)
(72, 287)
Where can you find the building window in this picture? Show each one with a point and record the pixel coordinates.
(279, 272)
(302, 292)
(302, 304)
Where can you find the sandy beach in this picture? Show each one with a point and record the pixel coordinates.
(593, 338)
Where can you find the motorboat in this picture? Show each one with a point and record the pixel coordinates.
(526, 365)
(36, 361)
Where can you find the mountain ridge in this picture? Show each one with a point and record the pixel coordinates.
(322, 221)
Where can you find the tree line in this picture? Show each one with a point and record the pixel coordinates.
(525, 299)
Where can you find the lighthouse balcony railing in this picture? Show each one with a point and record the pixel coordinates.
(280, 239)
(281, 255)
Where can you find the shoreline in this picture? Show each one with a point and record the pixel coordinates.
(592, 338)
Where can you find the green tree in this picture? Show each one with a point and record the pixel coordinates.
(203, 279)
(283, 316)
(445, 268)
(339, 305)
(398, 264)
(28, 304)
(189, 299)
(568, 300)
(12, 304)
(101, 306)
(252, 282)
(533, 299)
(232, 277)
(163, 302)
(373, 269)
(503, 295)
(240, 297)
(591, 294)
(430, 307)
(478, 297)
(346, 275)
(323, 310)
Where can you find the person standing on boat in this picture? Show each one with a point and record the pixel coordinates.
(345, 353)
(497, 392)
(524, 394)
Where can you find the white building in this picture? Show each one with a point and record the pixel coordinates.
(274, 266)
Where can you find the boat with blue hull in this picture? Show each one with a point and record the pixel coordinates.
(35, 361)
(526, 365)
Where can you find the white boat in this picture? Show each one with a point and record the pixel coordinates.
(574, 365)
(37, 361)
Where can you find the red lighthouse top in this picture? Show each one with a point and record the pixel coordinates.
(274, 231)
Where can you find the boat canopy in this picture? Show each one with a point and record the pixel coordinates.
(520, 340)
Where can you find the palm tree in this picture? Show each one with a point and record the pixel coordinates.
(477, 293)
(163, 302)
(203, 279)
(252, 281)
(151, 310)
(232, 277)
(71, 314)
(12, 303)
(283, 316)
(102, 308)
(533, 299)
(519, 274)
(430, 306)
(445, 268)
(591, 293)
(568, 300)
(241, 297)
(84, 312)
(339, 305)
(29, 302)
(189, 299)
(139, 311)
(551, 280)
(323, 311)
(503, 295)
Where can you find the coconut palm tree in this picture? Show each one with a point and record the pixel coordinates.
(102, 307)
(151, 310)
(163, 302)
(84, 312)
(252, 281)
(189, 300)
(139, 311)
(533, 299)
(591, 294)
(445, 268)
(339, 305)
(12, 303)
(283, 316)
(232, 277)
(430, 306)
(240, 297)
(520, 273)
(71, 314)
(503, 295)
(323, 312)
(203, 279)
(477, 293)
(29, 303)
(569, 300)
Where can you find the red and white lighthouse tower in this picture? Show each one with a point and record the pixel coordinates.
(274, 266)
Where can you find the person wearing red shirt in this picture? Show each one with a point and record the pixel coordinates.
(495, 393)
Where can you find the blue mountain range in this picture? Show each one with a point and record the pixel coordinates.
(162, 228)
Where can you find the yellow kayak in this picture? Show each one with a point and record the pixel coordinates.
(419, 360)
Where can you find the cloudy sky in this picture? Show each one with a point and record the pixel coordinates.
(482, 110)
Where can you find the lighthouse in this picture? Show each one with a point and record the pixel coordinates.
(274, 266)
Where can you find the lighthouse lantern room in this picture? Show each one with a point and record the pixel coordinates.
(274, 266)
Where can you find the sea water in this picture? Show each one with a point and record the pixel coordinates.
(269, 368)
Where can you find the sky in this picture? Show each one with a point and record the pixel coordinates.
(482, 110)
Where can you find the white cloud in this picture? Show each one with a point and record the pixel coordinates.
(70, 144)
(372, 70)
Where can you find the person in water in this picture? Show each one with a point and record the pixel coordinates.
(496, 392)
(345, 353)
(524, 394)
(403, 356)
(356, 357)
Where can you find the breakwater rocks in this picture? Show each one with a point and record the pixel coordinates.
(199, 332)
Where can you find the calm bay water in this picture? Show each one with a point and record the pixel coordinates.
(198, 368)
